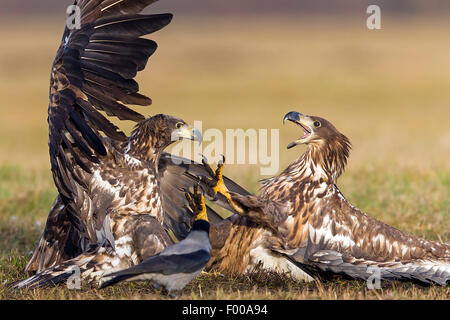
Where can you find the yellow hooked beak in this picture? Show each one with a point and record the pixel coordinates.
(187, 132)
(304, 122)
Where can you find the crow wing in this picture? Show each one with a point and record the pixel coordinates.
(171, 264)
(166, 265)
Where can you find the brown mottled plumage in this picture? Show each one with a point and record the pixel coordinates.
(300, 223)
(119, 197)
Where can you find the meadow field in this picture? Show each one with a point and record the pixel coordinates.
(387, 90)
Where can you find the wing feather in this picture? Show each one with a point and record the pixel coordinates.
(177, 175)
(92, 73)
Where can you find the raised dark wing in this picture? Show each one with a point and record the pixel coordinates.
(178, 175)
(92, 75)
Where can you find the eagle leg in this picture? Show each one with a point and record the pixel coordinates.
(216, 184)
(196, 203)
(76, 268)
(265, 213)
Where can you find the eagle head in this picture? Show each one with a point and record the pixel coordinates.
(316, 130)
(154, 134)
(329, 147)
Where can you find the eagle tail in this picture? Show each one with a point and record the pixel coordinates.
(116, 277)
(55, 274)
(89, 266)
(59, 242)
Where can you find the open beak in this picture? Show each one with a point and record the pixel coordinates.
(302, 121)
(187, 132)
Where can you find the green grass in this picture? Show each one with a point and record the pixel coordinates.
(211, 286)
(417, 202)
(386, 90)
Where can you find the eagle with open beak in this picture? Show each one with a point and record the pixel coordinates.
(301, 224)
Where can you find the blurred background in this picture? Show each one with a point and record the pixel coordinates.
(244, 64)
(250, 6)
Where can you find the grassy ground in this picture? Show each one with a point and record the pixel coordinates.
(386, 90)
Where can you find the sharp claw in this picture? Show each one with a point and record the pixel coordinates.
(204, 160)
(219, 172)
(221, 162)
(207, 166)
(205, 181)
(196, 189)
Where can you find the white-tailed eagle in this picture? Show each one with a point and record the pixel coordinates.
(301, 224)
(119, 196)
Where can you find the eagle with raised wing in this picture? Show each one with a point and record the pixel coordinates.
(121, 198)
(301, 224)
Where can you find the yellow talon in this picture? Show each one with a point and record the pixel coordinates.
(220, 185)
(202, 215)
(221, 188)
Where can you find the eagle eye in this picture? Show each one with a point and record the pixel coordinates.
(179, 125)
(317, 124)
